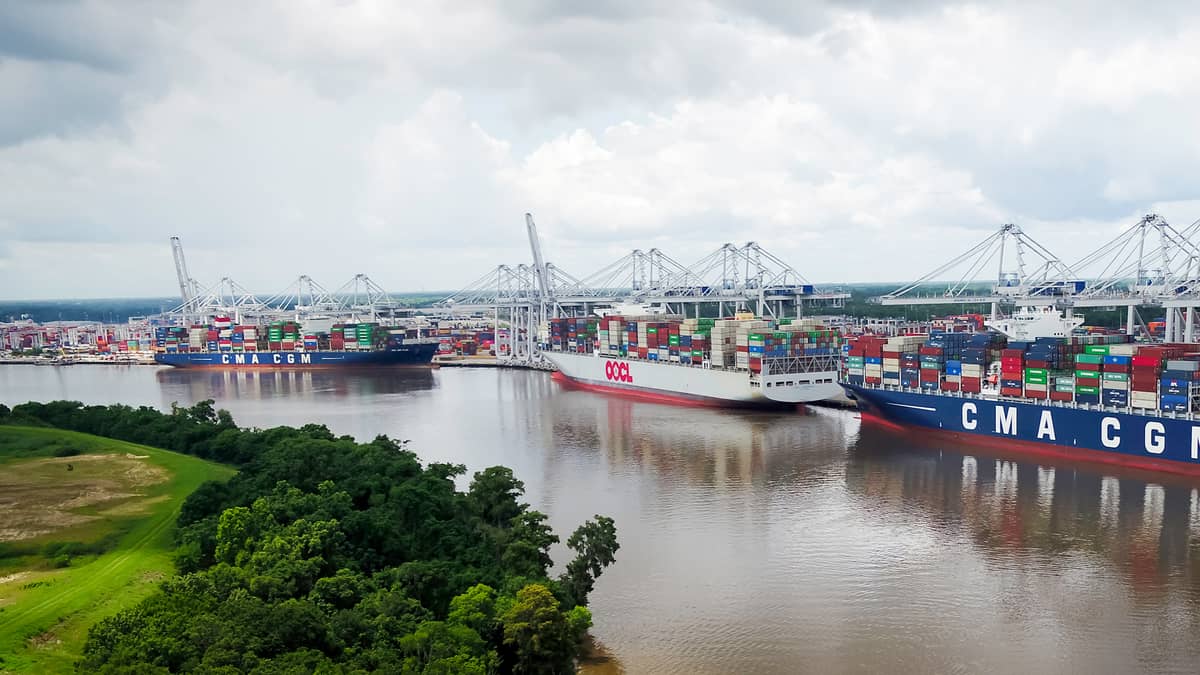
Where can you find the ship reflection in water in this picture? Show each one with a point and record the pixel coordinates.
(1113, 556)
(808, 542)
(337, 398)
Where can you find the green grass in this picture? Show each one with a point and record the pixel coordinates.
(113, 560)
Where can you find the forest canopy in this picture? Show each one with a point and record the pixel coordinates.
(328, 555)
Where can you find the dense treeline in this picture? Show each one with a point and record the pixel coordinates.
(328, 555)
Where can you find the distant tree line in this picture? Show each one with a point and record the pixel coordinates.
(332, 556)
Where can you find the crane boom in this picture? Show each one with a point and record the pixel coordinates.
(185, 283)
(539, 265)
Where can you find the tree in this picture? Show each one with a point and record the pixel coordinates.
(527, 545)
(595, 545)
(538, 632)
(494, 494)
(474, 609)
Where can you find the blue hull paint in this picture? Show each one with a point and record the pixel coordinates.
(1149, 441)
(414, 355)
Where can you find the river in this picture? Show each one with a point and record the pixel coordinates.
(772, 542)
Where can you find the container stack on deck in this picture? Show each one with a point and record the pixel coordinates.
(736, 344)
(1092, 369)
(222, 335)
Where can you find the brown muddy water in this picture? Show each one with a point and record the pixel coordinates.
(773, 542)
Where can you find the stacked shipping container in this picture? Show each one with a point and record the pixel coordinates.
(741, 343)
(1094, 369)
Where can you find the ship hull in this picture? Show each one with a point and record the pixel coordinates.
(420, 355)
(1153, 442)
(668, 383)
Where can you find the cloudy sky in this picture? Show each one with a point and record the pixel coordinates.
(855, 139)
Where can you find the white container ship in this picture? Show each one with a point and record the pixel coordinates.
(734, 363)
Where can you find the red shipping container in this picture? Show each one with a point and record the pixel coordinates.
(1146, 361)
(873, 380)
(1088, 366)
(929, 375)
(1012, 362)
(890, 355)
(1031, 393)
(930, 351)
(1037, 363)
(1012, 353)
(950, 386)
(970, 388)
(1011, 391)
(1115, 368)
(1061, 395)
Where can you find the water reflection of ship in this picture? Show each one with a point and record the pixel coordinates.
(716, 447)
(1148, 529)
(191, 384)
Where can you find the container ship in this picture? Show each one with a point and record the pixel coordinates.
(1098, 398)
(282, 344)
(739, 362)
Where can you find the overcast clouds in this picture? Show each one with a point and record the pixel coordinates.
(858, 140)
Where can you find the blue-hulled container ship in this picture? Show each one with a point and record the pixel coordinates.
(283, 345)
(1092, 398)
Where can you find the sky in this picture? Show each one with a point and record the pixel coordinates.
(859, 140)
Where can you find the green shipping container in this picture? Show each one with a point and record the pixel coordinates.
(1096, 359)
(1096, 349)
(1036, 372)
(1088, 374)
(1116, 377)
(1087, 390)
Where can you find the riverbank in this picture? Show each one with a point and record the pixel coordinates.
(88, 531)
(81, 360)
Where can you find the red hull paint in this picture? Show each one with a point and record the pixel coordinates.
(649, 396)
(1032, 449)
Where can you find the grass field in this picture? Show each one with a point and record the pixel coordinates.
(86, 529)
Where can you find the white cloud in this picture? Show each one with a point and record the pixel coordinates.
(860, 140)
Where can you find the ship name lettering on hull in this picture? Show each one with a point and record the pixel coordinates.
(276, 359)
(1154, 433)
